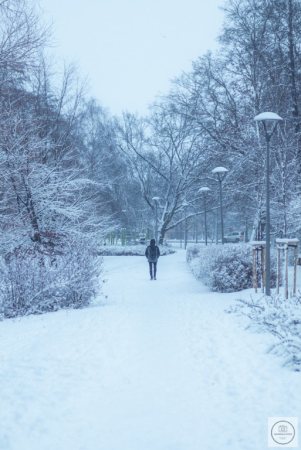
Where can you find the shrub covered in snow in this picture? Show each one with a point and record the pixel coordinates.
(225, 268)
(36, 280)
(280, 317)
(130, 250)
(193, 251)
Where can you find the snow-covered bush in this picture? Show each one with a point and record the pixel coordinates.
(130, 250)
(193, 252)
(34, 281)
(280, 317)
(225, 268)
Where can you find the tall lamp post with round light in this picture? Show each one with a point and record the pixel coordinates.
(185, 206)
(268, 118)
(156, 200)
(204, 190)
(221, 172)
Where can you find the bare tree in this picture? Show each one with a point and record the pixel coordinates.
(167, 158)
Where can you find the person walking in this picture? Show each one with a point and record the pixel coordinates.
(152, 254)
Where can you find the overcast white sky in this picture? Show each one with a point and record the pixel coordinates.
(130, 49)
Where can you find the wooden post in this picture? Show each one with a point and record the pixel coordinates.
(278, 270)
(295, 269)
(285, 244)
(263, 268)
(259, 246)
(254, 270)
(286, 272)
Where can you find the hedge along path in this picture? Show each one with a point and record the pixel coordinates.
(224, 268)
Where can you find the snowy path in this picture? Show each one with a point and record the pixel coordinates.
(160, 367)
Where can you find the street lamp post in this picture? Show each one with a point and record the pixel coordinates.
(204, 191)
(124, 230)
(221, 172)
(185, 205)
(265, 118)
(156, 200)
(181, 231)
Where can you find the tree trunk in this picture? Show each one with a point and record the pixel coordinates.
(292, 66)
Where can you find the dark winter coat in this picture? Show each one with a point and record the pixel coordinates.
(152, 253)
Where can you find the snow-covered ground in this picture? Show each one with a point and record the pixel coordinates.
(159, 367)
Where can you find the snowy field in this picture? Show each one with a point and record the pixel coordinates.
(159, 367)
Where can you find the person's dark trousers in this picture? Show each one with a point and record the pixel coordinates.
(151, 269)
